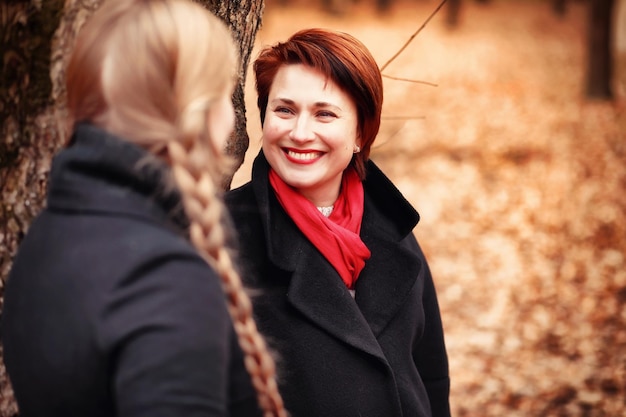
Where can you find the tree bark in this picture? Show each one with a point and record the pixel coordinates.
(244, 17)
(600, 57)
(37, 37)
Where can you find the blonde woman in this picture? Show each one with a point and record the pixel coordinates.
(115, 303)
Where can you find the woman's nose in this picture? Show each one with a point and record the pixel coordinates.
(302, 129)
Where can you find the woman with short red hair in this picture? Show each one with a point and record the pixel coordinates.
(343, 292)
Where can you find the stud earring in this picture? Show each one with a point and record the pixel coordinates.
(357, 149)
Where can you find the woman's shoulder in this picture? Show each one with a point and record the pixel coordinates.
(131, 256)
(246, 195)
(239, 191)
(163, 276)
(389, 200)
(242, 198)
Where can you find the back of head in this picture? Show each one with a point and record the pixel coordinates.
(341, 58)
(149, 70)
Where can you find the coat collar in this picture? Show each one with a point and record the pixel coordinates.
(102, 173)
(316, 289)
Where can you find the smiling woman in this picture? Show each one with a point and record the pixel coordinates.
(344, 294)
(309, 132)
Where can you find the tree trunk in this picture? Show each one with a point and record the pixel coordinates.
(600, 57)
(559, 7)
(37, 37)
(244, 17)
(452, 15)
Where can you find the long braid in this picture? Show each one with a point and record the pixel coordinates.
(204, 209)
(171, 121)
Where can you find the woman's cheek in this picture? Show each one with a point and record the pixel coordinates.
(275, 127)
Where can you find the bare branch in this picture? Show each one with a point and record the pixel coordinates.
(410, 81)
(413, 36)
(402, 117)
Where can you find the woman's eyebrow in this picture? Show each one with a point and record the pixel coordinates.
(317, 104)
(282, 100)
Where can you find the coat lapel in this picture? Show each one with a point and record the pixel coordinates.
(316, 289)
(392, 270)
(386, 281)
(318, 292)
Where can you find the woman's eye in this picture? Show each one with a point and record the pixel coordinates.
(326, 114)
(283, 110)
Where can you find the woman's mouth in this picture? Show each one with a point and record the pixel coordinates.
(302, 156)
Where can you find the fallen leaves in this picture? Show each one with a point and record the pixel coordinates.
(521, 186)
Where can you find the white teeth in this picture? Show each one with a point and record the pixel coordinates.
(303, 156)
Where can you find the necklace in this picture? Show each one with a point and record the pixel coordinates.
(326, 210)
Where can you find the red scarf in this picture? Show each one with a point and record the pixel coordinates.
(336, 237)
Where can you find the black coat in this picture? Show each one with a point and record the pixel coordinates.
(381, 354)
(109, 311)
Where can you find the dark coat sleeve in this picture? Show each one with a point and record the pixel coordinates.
(430, 354)
(164, 363)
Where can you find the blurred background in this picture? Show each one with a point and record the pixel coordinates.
(519, 173)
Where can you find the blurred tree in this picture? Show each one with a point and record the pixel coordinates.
(36, 38)
(600, 56)
(559, 7)
(383, 5)
(452, 15)
(454, 10)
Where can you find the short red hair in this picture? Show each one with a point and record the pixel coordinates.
(341, 58)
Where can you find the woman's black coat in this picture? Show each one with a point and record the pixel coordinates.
(109, 310)
(381, 354)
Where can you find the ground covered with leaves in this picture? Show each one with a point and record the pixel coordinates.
(521, 186)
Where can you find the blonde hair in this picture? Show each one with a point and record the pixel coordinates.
(150, 71)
